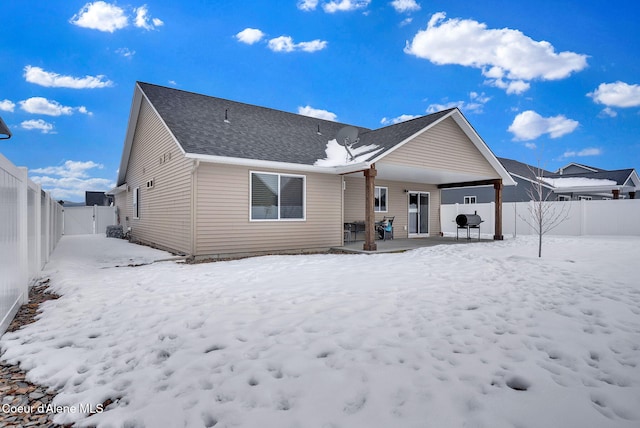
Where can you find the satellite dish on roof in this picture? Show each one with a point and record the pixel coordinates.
(4, 130)
(346, 136)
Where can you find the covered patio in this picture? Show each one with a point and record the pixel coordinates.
(405, 244)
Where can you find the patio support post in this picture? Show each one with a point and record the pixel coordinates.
(497, 185)
(370, 217)
(616, 194)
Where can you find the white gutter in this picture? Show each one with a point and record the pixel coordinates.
(258, 163)
(116, 190)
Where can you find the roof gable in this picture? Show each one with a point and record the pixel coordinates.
(577, 168)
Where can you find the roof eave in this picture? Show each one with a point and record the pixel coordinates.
(259, 163)
(589, 189)
(116, 190)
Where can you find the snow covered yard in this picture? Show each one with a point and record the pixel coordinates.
(478, 335)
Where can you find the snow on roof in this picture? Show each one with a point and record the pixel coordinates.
(577, 182)
(337, 154)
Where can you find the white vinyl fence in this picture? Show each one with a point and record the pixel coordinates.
(30, 227)
(88, 220)
(607, 217)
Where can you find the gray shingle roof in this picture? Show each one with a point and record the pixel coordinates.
(522, 169)
(252, 132)
(620, 176)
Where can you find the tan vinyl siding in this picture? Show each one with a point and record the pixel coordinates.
(123, 201)
(223, 205)
(397, 203)
(165, 209)
(443, 147)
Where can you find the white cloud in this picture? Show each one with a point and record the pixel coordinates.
(398, 119)
(70, 169)
(345, 5)
(286, 44)
(54, 80)
(83, 110)
(312, 46)
(101, 16)
(405, 5)
(508, 58)
(125, 52)
(317, 113)
(142, 19)
(250, 36)
(608, 112)
(512, 87)
(71, 180)
(589, 151)
(7, 105)
(531, 146)
(406, 21)
(40, 105)
(529, 125)
(474, 105)
(307, 5)
(109, 18)
(618, 94)
(39, 124)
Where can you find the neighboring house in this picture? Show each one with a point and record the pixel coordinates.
(575, 181)
(205, 176)
(100, 199)
(572, 182)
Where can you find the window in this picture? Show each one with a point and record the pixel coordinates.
(469, 199)
(380, 199)
(136, 202)
(277, 196)
(563, 198)
(584, 198)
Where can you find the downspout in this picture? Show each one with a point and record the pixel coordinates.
(194, 204)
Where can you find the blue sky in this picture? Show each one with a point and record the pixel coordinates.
(541, 81)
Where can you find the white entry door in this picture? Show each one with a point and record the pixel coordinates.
(418, 214)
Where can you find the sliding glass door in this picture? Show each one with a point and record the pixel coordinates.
(418, 214)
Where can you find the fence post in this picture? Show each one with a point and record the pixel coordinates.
(38, 227)
(23, 233)
(583, 217)
(47, 229)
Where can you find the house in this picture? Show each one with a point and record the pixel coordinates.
(575, 182)
(209, 177)
(571, 182)
(100, 199)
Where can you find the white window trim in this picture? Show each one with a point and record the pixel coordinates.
(475, 200)
(585, 198)
(386, 190)
(563, 198)
(136, 203)
(304, 197)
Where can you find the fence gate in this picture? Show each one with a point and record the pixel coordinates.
(88, 220)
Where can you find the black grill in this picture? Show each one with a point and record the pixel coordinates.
(468, 221)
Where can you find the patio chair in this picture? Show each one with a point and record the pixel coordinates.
(387, 227)
(347, 233)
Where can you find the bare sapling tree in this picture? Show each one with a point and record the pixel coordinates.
(544, 214)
